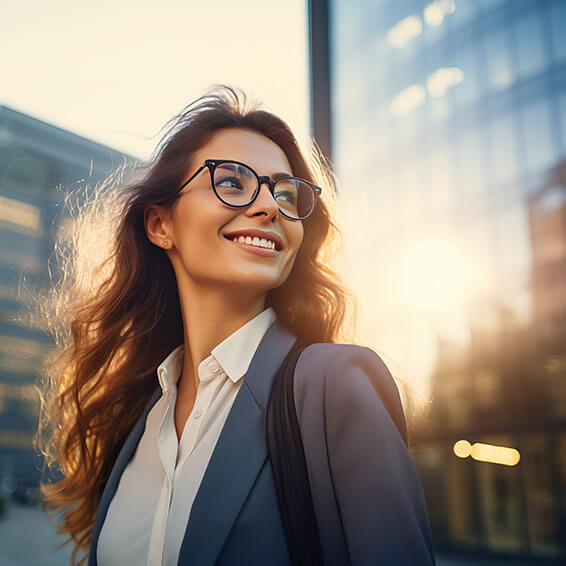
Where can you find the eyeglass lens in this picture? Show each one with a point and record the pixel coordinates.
(236, 184)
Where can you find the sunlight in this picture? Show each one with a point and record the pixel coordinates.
(434, 274)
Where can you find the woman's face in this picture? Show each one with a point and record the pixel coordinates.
(199, 223)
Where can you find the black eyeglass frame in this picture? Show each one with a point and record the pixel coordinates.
(212, 164)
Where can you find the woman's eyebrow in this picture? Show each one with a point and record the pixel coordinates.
(241, 169)
(276, 176)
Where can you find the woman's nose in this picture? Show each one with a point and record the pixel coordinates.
(264, 201)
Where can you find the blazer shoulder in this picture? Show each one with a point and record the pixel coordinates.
(351, 377)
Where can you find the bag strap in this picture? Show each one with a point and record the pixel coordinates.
(287, 456)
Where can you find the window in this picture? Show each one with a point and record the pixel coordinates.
(24, 173)
(537, 135)
(499, 66)
(530, 45)
(503, 149)
(557, 26)
(562, 118)
(469, 89)
(470, 168)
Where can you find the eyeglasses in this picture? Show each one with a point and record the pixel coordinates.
(237, 184)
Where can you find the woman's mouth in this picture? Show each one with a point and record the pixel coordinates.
(259, 246)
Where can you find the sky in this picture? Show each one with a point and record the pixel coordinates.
(116, 71)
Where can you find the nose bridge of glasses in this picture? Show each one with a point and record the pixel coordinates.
(266, 179)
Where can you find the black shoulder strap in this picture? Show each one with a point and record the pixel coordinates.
(286, 453)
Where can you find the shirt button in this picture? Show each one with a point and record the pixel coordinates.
(197, 413)
(214, 367)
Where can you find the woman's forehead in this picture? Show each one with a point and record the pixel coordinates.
(247, 146)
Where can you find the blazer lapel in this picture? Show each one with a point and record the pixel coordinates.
(238, 457)
(125, 455)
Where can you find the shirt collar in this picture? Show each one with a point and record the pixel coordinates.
(235, 353)
(232, 356)
(169, 370)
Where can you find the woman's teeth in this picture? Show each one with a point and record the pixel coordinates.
(255, 241)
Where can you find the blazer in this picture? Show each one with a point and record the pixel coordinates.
(367, 494)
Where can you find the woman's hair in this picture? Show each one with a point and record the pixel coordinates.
(115, 319)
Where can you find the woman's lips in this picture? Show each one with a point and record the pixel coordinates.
(255, 249)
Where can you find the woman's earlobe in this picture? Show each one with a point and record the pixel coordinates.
(154, 223)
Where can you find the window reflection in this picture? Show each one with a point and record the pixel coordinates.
(530, 45)
(473, 156)
(499, 68)
(562, 121)
(440, 196)
(537, 136)
(466, 59)
(558, 25)
(512, 243)
(503, 148)
(465, 11)
(470, 164)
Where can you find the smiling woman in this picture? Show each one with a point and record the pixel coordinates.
(154, 405)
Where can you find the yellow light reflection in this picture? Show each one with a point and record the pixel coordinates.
(407, 100)
(442, 79)
(435, 12)
(434, 274)
(405, 30)
(495, 454)
(487, 453)
(462, 448)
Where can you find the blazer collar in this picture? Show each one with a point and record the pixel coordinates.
(239, 455)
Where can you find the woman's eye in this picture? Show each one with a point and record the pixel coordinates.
(287, 195)
(229, 183)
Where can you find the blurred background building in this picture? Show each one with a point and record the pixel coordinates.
(446, 120)
(39, 165)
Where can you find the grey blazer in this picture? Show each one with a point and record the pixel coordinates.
(367, 495)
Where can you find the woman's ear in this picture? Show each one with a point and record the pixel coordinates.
(157, 221)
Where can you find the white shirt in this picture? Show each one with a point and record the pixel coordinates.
(149, 512)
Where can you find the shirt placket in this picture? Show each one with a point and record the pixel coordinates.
(167, 447)
(194, 425)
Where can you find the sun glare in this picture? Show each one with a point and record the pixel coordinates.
(434, 274)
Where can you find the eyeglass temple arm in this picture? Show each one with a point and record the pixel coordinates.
(191, 178)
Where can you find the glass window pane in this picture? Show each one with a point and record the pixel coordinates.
(498, 62)
(562, 107)
(469, 89)
(465, 12)
(513, 243)
(409, 193)
(440, 175)
(537, 135)
(470, 163)
(530, 45)
(503, 149)
(23, 172)
(558, 27)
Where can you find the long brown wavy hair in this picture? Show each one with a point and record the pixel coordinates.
(115, 312)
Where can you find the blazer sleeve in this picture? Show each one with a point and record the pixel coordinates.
(377, 487)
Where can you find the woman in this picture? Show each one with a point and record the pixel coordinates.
(157, 403)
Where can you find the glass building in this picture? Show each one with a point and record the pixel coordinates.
(39, 165)
(447, 128)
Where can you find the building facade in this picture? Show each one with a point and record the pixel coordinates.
(447, 125)
(39, 165)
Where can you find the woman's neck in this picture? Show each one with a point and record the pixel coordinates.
(209, 317)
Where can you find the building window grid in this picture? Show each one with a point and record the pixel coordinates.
(516, 108)
(455, 128)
